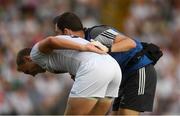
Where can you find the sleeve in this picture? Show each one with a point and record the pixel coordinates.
(107, 37)
(38, 57)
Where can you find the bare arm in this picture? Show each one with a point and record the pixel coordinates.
(51, 43)
(116, 41)
(122, 44)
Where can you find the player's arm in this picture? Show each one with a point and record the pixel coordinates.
(122, 43)
(115, 41)
(52, 43)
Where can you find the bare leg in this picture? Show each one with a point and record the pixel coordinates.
(128, 112)
(102, 106)
(80, 106)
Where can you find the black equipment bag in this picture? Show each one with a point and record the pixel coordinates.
(152, 51)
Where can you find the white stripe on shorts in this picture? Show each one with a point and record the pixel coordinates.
(142, 80)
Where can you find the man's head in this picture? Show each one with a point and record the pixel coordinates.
(67, 22)
(25, 64)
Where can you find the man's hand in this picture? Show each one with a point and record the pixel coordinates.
(92, 48)
(99, 45)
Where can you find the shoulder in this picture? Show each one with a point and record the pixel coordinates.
(37, 56)
(35, 51)
(105, 30)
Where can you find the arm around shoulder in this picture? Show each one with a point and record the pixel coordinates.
(122, 44)
(51, 43)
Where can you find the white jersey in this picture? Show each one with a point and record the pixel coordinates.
(63, 60)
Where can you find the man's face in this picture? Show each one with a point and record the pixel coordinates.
(29, 68)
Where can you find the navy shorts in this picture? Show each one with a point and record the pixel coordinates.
(137, 90)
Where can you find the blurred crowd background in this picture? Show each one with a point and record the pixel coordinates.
(24, 22)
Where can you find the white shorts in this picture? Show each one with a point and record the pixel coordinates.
(100, 77)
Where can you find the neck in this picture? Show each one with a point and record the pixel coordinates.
(78, 33)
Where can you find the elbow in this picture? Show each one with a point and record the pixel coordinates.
(132, 43)
(50, 41)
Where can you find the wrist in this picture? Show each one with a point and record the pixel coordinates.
(109, 49)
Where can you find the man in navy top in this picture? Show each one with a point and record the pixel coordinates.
(137, 89)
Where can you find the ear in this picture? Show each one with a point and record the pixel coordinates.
(27, 58)
(67, 31)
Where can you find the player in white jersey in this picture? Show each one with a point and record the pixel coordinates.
(97, 75)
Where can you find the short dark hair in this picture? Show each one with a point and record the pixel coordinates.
(68, 20)
(21, 54)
